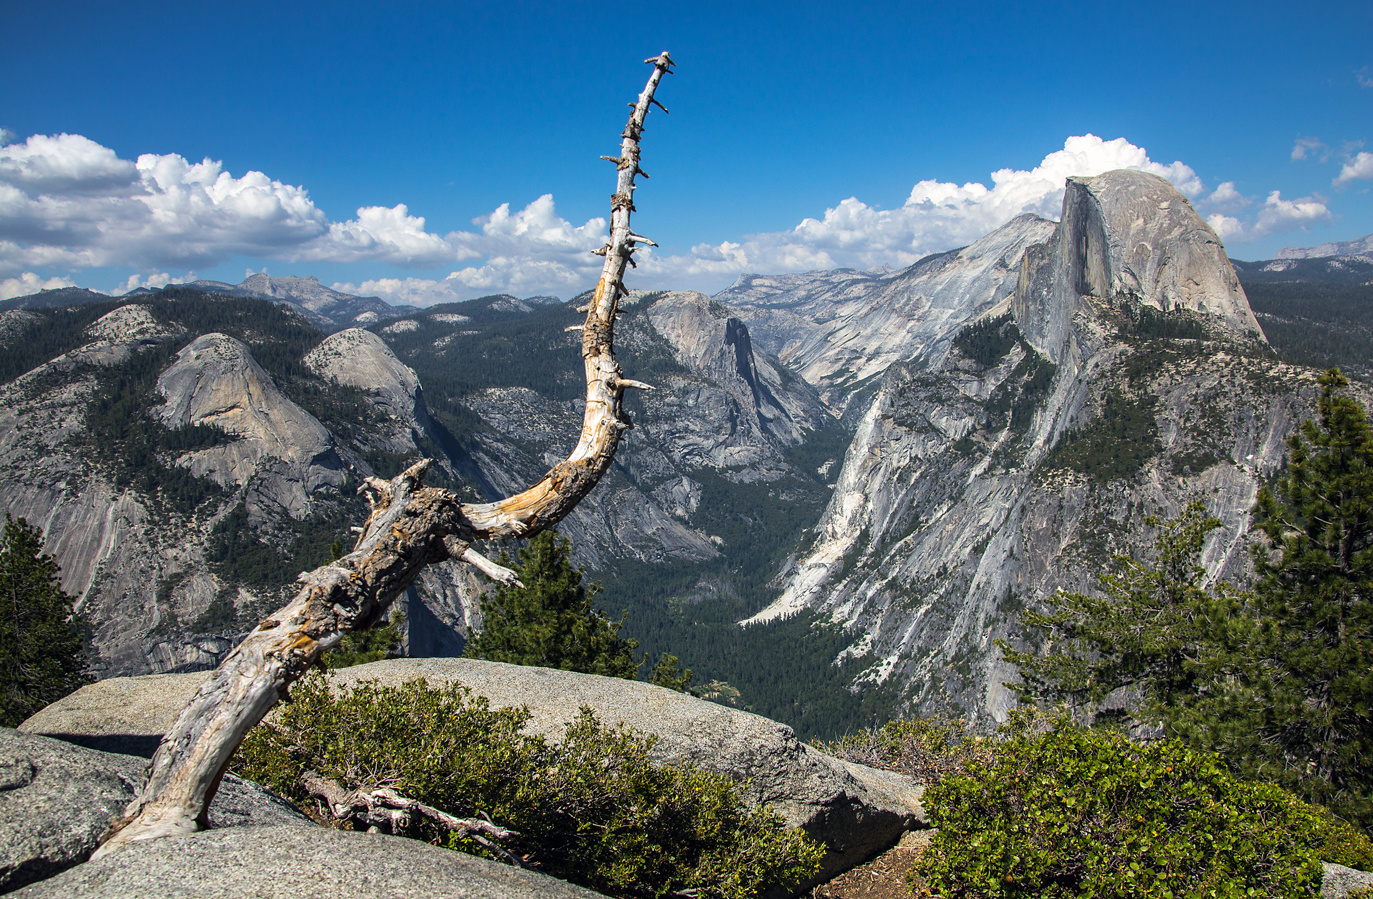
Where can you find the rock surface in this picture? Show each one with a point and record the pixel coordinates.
(293, 862)
(216, 382)
(854, 810)
(1360, 246)
(951, 515)
(328, 309)
(57, 799)
(1127, 236)
(1339, 881)
(947, 518)
(839, 330)
(361, 359)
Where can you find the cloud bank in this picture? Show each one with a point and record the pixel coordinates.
(67, 204)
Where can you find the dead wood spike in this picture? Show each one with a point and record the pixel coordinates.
(410, 526)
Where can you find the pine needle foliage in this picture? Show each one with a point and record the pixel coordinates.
(43, 653)
(1154, 627)
(551, 621)
(1312, 705)
(1278, 680)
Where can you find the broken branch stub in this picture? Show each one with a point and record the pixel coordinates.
(410, 526)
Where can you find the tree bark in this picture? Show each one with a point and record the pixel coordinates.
(410, 526)
(380, 807)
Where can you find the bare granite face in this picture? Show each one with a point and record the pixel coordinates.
(945, 522)
(1128, 236)
(216, 382)
(842, 328)
(57, 799)
(361, 359)
(291, 862)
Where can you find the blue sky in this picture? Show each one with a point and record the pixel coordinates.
(429, 152)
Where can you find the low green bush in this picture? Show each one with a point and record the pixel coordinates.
(1343, 843)
(1087, 813)
(591, 809)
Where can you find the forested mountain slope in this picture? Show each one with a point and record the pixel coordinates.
(875, 471)
(1126, 377)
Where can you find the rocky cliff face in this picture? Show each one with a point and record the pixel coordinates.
(982, 480)
(913, 457)
(270, 458)
(216, 382)
(362, 360)
(1127, 237)
(1362, 246)
(326, 308)
(841, 330)
(183, 528)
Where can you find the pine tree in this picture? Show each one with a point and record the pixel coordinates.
(360, 647)
(42, 644)
(1154, 628)
(550, 621)
(668, 673)
(1313, 690)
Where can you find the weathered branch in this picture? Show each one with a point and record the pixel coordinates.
(382, 807)
(410, 526)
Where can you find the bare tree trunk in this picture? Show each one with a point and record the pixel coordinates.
(410, 526)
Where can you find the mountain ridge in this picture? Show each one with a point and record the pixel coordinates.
(979, 431)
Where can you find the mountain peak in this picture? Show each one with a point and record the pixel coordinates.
(1128, 236)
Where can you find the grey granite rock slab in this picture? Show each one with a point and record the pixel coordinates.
(1339, 881)
(293, 862)
(56, 799)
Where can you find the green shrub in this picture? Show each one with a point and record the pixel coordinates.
(1077, 813)
(1343, 843)
(591, 809)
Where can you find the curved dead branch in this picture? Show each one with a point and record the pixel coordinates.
(410, 526)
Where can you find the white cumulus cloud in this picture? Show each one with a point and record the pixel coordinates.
(152, 280)
(380, 234)
(537, 230)
(936, 216)
(1226, 227)
(1274, 216)
(1359, 167)
(29, 283)
(1278, 215)
(1310, 148)
(404, 291)
(67, 203)
(1225, 198)
(524, 277)
(66, 200)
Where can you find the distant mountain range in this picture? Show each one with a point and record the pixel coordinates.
(328, 309)
(1362, 246)
(877, 470)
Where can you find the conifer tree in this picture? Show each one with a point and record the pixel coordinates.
(551, 621)
(1155, 628)
(42, 644)
(1312, 689)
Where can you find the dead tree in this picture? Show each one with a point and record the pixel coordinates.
(410, 526)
